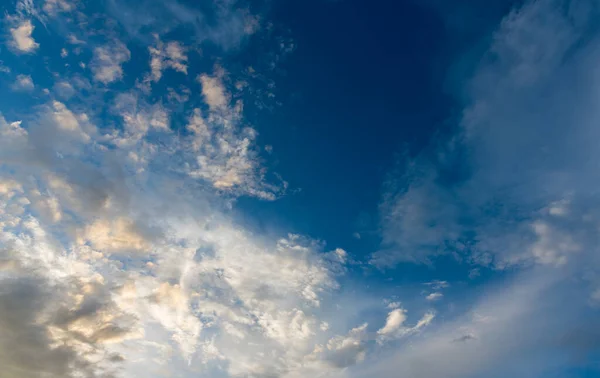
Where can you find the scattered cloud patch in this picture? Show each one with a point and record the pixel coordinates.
(23, 83)
(170, 55)
(434, 296)
(224, 149)
(22, 40)
(214, 92)
(394, 327)
(106, 65)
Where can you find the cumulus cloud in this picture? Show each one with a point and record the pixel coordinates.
(106, 65)
(204, 287)
(22, 41)
(23, 83)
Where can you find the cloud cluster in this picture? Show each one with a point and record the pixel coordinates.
(194, 283)
(119, 257)
(120, 280)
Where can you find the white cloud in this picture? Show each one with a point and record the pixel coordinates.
(424, 321)
(225, 303)
(171, 55)
(130, 267)
(114, 235)
(23, 83)
(154, 285)
(395, 320)
(394, 327)
(225, 154)
(214, 92)
(22, 40)
(434, 296)
(107, 62)
(139, 118)
(66, 121)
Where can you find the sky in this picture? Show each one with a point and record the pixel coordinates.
(291, 189)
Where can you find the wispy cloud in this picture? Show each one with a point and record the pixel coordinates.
(225, 24)
(489, 192)
(512, 187)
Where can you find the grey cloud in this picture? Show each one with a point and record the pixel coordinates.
(26, 349)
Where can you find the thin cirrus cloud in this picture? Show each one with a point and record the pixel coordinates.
(228, 26)
(523, 199)
(527, 173)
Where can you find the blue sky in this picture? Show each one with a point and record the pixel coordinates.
(231, 188)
